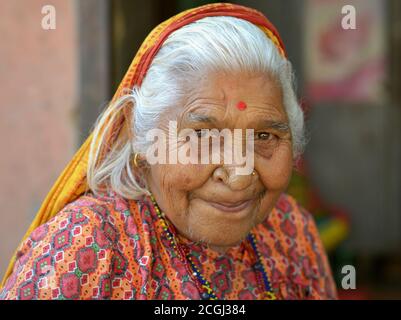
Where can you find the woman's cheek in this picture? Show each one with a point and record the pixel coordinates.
(188, 177)
(276, 171)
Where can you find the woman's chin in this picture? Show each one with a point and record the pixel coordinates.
(221, 235)
(217, 226)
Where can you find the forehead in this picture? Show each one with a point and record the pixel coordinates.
(218, 94)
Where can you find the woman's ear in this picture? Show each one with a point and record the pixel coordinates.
(140, 169)
(139, 162)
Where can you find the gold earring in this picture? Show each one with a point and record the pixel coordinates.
(254, 173)
(136, 159)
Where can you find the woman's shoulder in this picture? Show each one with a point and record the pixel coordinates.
(97, 211)
(100, 207)
(287, 203)
(293, 238)
(86, 211)
(290, 216)
(89, 216)
(77, 243)
(291, 223)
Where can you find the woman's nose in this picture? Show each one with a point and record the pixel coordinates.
(230, 177)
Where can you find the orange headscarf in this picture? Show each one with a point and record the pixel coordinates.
(72, 182)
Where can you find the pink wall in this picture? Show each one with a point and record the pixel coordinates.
(38, 78)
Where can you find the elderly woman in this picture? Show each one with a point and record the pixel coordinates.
(119, 226)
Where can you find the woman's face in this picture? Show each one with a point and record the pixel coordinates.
(213, 202)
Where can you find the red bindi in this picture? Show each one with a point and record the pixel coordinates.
(241, 105)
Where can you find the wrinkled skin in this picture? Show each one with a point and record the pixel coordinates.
(198, 198)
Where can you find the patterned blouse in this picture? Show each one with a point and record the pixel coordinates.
(108, 247)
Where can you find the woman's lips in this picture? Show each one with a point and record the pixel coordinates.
(230, 207)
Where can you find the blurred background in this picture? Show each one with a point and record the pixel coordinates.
(54, 83)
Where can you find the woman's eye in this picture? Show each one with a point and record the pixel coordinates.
(264, 135)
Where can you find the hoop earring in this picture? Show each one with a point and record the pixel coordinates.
(136, 160)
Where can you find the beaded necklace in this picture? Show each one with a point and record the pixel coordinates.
(207, 293)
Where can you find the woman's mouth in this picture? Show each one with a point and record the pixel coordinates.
(231, 206)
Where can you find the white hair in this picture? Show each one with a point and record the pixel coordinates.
(207, 45)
